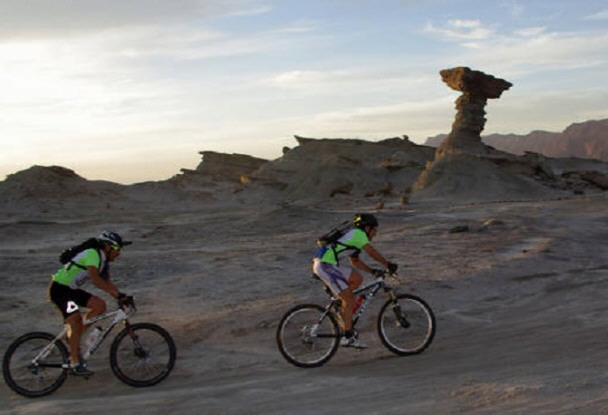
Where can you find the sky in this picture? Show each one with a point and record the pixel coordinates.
(131, 91)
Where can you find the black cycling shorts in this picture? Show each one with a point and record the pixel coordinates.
(67, 299)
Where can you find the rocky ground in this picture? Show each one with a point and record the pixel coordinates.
(518, 297)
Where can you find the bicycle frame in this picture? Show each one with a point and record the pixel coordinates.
(369, 290)
(116, 316)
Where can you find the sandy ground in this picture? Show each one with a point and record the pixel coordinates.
(519, 300)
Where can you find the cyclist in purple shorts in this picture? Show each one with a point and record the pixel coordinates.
(343, 278)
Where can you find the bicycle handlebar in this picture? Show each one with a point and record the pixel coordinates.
(128, 304)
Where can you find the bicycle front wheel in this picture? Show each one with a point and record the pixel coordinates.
(34, 365)
(406, 325)
(142, 354)
(308, 336)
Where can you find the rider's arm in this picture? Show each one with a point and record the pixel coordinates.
(372, 252)
(357, 263)
(107, 285)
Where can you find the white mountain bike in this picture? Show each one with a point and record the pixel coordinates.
(142, 354)
(309, 335)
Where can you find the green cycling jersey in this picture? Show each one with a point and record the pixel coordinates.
(353, 239)
(74, 273)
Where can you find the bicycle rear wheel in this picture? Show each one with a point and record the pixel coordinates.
(308, 336)
(406, 326)
(142, 354)
(35, 378)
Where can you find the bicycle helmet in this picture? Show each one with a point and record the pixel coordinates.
(365, 219)
(112, 238)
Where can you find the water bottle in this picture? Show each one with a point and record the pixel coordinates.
(92, 340)
(358, 303)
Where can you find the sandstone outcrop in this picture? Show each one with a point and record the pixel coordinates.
(324, 168)
(222, 166)
(467, 169)
(476, 87)
(55, 182)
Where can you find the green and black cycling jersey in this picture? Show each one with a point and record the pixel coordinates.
(353, 240)
(74, 274)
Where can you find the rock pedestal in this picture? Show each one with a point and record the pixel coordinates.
(476, 88)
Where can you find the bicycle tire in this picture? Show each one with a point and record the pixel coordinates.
(142, 354)
(303, 345)
(398, 338)
(40, 379)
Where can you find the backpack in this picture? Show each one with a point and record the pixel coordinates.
(67, 255)
(331, 238)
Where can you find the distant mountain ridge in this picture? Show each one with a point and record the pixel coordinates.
(588, 139)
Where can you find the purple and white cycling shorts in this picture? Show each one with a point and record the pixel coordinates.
(336, 277)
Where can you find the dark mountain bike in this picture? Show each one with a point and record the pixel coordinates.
(141, 354)
(309, 335)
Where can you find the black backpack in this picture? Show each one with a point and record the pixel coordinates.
(331, 238)
(68, 255)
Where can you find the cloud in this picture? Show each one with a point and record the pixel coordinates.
(601, 15)
(545, 51)
(60, 18)
(356, 78)
(307, 79)
(521, 50)
(530, 31)
(458, 30)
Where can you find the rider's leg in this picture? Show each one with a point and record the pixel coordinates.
(355, 280)
(76, 329)
(348, 299)
(69, 301)
(348, 302)
(96, 307)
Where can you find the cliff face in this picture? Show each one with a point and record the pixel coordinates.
(585, 140)
(226, 166)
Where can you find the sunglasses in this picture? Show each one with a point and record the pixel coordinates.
(116, 248)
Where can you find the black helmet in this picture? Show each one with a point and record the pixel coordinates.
(365, 219)
(112, 238)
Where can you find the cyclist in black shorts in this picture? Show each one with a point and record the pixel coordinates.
(65, 290)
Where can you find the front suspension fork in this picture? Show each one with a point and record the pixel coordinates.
(399, 313)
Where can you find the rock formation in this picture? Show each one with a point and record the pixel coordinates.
(467, 169)
(476, 88)
(55, 182)
(230, 167)
(325, 168)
